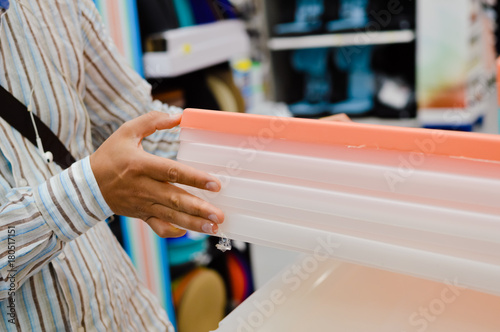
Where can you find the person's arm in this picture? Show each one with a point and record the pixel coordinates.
(134, 182)
(36, 223)
(120, 177)
(114, 92)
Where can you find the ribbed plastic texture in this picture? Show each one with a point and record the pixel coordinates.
(409, 204)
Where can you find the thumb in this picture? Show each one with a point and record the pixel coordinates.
(149, 123)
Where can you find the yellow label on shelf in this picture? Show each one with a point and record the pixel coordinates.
(243, 65)
(186, 48)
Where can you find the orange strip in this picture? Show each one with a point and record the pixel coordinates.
(437, 142)
(115, 24)
(146, 254)
(183, 285)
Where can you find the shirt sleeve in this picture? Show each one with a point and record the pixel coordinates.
(114, 92)
(35, 223)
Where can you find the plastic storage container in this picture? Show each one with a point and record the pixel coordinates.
(327, 295)
(414, 201)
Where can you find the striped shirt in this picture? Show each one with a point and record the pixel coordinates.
(61, 269)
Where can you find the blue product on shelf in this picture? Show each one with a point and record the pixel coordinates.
(318, 82)
(184, 13)
(356, 61)
(307, 18)
(187, 248)
(202, 11)
(352, 15)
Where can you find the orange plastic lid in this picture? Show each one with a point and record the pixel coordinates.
(446, 143)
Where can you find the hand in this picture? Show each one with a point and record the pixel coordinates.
(137, 184)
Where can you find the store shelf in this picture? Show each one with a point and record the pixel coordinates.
(194, 48)
(342, 39)
(409, 123)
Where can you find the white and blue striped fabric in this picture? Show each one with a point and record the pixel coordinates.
(61, 269)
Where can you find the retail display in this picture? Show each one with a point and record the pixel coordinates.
(352, 15)
(307, 18)
(356, 62)
(121, 19)
(184, 13)
(455, 63)
(349, 40)
(318, 83)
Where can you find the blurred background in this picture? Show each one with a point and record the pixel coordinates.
(423, 63)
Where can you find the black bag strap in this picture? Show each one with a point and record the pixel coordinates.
(18, 116)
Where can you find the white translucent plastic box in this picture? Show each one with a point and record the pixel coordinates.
(328, 295)
(418, 202)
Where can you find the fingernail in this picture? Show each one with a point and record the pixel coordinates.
(212, 186)
(209, 228)
(175, 117)
(213, 218)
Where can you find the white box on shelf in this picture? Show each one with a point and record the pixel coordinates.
(197, 47)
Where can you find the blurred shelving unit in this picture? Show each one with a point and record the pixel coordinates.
(456, 65)
(410, 48)
(341, 40)
(391, 46)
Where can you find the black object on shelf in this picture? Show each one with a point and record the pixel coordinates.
(392, 15)
(156, 16)
(395, 66)
(197, 94)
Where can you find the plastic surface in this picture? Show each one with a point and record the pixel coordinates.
(318, 295)
(294, 184)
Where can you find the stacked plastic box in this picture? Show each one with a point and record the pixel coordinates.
(413, 201)
(313, 295)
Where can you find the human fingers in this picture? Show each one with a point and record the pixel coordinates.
(147, 124)
(166, 170)
(162, 214)
(179, 200)
(164, 229)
